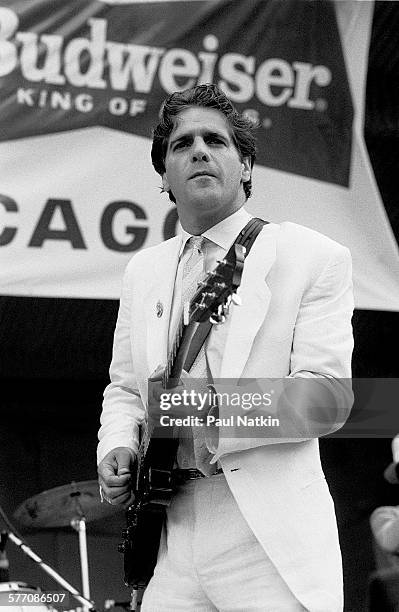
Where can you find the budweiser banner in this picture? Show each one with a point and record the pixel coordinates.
(80, 88)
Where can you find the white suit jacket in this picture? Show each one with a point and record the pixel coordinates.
(295, 320)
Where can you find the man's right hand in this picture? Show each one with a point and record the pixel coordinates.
(115, 475)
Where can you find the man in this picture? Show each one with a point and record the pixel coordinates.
(258, 532)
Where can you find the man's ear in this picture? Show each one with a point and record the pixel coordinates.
(165, 183)
(246, 169)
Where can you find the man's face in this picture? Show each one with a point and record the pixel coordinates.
(203, 168)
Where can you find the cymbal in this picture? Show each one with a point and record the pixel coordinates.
(57, 507)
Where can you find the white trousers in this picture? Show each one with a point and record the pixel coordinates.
(210, 561)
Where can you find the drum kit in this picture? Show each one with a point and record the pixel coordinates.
(72, 505)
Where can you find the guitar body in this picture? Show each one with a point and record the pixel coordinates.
(146, 516)
(143, 537)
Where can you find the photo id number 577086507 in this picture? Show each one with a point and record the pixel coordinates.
(33, 598)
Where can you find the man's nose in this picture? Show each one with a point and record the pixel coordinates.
(200, 150)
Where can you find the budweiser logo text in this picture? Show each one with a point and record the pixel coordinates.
(93, 62)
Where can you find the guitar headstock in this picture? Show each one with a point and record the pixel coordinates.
(218, 289)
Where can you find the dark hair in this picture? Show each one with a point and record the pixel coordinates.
(208, 96)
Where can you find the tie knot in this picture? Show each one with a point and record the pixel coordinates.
(197, 242)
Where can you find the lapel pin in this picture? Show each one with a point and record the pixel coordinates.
(159, 309)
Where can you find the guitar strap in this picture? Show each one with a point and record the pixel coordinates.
(245, 238)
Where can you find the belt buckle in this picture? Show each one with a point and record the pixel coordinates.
(187, 474)
(184, 475)
(194, 474)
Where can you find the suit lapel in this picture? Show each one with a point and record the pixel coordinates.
(245, 320)
(158, 301)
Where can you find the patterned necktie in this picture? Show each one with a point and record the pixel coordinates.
(193, 268)
(193, 272)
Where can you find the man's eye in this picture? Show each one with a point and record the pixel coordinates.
(180, 145)
(214, 140)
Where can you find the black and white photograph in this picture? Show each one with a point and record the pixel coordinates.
(199, 296)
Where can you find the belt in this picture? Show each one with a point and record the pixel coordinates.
(182, 476)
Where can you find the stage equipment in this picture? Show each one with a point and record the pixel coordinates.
(74, 505)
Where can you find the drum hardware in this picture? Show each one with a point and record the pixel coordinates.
(73, 505)
(87, 603)
(59, 506)
(79, 524)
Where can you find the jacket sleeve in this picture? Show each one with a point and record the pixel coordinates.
(123, 410)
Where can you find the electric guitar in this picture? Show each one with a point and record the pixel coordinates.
(154, 486)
